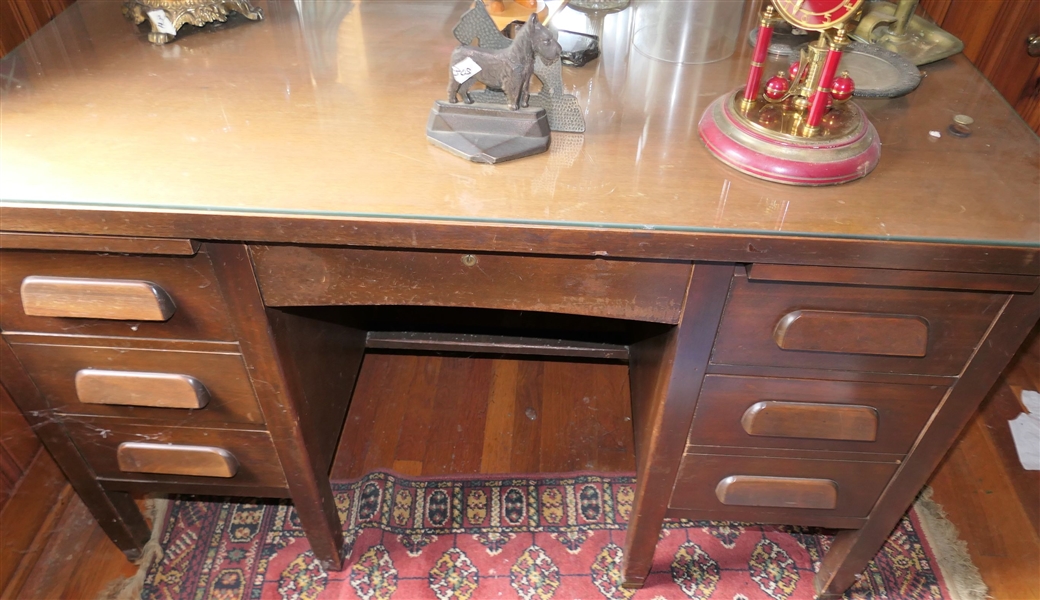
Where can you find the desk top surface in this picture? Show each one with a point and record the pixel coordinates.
(320, 109)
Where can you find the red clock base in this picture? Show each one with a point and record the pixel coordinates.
(750, 142)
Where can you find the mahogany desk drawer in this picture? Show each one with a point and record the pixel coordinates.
(313, 276)
(744, 488)
(765, 412)
(852, 328)
(172, 383)
(113, 295)
(176, 459)
(251, 453)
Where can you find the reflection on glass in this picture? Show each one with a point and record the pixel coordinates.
(319, 26)
(89, 90)
(688, 31)
(599, 5)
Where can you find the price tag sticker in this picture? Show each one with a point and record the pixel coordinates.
(161, 22)
(464, 69)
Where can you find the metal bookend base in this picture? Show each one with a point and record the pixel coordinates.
(488, 133)
(848, 152)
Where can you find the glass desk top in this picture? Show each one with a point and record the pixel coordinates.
(320, 109)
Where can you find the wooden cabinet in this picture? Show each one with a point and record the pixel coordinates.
(134, 389)
(886, 308)
(996, 38)
(21, 18)
(822, 383)
(770, 393)
(161, 363)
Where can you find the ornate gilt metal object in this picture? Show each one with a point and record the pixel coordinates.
(799, 127)
(167, 16)
(896, 28)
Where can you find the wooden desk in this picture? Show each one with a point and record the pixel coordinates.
(797, 355)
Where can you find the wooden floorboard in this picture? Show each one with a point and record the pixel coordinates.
(1023, 374)
(1002, 406)
(410, 450)
(410, 414)
(992, 500)
(100, 564)
(974, 488)
(527, 404)
(27, 518)
(439, 415)
(67, 546)
(497, 449)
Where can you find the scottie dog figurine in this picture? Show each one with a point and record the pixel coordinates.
(508, 69)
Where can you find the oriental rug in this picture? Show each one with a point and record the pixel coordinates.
(532, 538)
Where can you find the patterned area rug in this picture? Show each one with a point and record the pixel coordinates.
(528, 538)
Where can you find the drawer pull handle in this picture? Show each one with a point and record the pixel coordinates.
(130, 388)
(852, 333)
(169, 459)
(808, 420)
(777, 492)
(119, 299)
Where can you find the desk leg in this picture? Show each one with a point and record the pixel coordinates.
(852, 550)
(666, 372)
(295, 418)
(115, 512)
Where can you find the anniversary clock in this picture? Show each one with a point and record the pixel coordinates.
(817, 14)
(799, 127)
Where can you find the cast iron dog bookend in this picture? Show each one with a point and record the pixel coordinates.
(508, 69)
(493, 133)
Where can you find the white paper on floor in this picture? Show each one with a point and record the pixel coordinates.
(1025, 430)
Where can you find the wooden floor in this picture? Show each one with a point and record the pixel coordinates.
(989, 497)
(434, 415)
